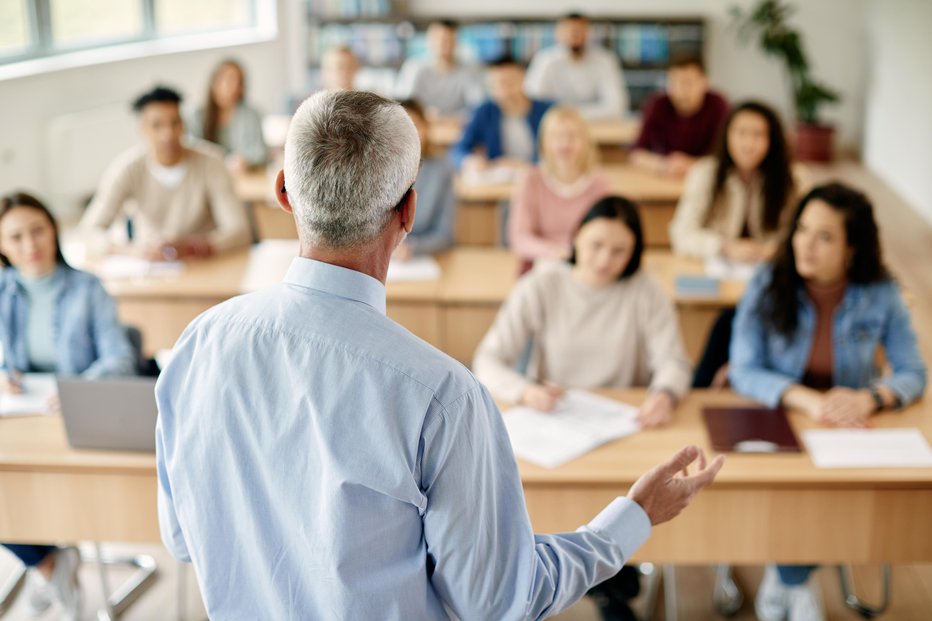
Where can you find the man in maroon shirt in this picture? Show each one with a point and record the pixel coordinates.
(681, 124)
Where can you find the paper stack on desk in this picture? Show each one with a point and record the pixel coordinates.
(868, 448)
(724, 269)
(38, 388)
(581, 422)
(418, 268)
(124, 266)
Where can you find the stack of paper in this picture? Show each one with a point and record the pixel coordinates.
(124, 266)
(868, 448)
(268, 262)
(418, 268)
(38, 388)
(581, 422)
(724, 269)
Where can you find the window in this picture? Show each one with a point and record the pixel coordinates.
(182, 16)
(79, 23)
(14, 28)
(31, 29)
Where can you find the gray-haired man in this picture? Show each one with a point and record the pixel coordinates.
(317, 461)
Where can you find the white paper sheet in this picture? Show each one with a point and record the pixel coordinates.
(724, 269)
(494, 175)
(581, 422)
(269, 260)
(416, 268)
(868, 448)
(38, 388)
(122, 266)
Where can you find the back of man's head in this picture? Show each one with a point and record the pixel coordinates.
(350, 156)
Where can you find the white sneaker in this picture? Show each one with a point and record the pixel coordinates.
(772, 601)
(38, 593)
(64, 582)
(805, 603)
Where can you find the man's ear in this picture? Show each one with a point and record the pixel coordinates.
(408, 209)
(280, 193)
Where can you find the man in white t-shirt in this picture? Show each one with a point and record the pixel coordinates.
(577, 74)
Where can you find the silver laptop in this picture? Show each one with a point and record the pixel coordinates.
(115, 414)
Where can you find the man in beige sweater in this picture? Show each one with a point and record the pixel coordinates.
(179, 196)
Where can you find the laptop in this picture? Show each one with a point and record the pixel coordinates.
(114, 414)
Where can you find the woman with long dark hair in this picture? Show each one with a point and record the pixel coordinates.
(735, 201)
(53, 319)
(806, 336)
(227, 120)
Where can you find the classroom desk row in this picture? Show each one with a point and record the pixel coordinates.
(761, 508)
(478, 220)
(446, 132)
(452, 313)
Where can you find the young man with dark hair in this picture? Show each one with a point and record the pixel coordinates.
(681, 124)
(179, 196)
(504, 128)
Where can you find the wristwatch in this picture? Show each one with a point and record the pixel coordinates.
(878, 399)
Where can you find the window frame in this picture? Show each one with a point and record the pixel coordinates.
(42, 53)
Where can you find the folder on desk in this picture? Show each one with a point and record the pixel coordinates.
(688, 285)
(750, 430)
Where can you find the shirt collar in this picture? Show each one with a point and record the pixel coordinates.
(335, 280)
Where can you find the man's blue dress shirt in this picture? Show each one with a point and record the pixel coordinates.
(317, 461)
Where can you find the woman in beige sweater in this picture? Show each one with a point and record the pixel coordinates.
(735, 202)
(596, 321)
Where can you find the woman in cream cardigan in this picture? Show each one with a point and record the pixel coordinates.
(735, 202)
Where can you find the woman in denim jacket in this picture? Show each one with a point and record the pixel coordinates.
(53, 319)
(806, 335)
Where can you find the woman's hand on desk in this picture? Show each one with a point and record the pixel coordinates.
(668, 488)
(845, 407)
(10, 383)
(657, 410)
(542, 397)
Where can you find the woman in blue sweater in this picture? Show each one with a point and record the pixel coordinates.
(53, 319)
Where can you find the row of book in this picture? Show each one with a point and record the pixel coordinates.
(386, 44)
(343, 9)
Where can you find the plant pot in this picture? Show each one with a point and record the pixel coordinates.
(814, 143)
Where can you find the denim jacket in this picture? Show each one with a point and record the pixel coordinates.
(88, 337)
(765, 363)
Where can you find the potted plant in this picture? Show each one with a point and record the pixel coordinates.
(767, 20)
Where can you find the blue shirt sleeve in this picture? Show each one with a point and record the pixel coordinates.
(115, 355)
(909, 376)
(471, 138)
(487, 563)
(169, 527)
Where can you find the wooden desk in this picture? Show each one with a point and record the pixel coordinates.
(452, 313)
(761, 508)
(478, 220)
(607, 132)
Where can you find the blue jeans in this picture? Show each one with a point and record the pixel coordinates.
(795, 575)
(30, 555)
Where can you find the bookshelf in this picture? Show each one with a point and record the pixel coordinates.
(383, 35)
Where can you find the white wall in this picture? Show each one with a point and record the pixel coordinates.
(898, 132)
(834, 31)
(28, 104)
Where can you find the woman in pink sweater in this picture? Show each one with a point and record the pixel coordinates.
(549, 199)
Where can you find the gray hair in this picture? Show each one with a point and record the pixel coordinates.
(350, 157)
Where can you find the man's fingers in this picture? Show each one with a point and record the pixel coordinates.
(706, 475)
(683, 458)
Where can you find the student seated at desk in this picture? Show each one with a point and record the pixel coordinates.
(227, 120)
(575, 73)
(338, 69)
(443, 86)
(53, 319)
(503, 130)
(549, 199)
(432, 230)
(182, 196)
(681, 124)
(595, 321)
(806, 336)
(734, 202)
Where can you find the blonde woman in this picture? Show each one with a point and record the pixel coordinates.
(550, 198)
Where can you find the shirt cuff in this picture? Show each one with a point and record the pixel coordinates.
(626, 523)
